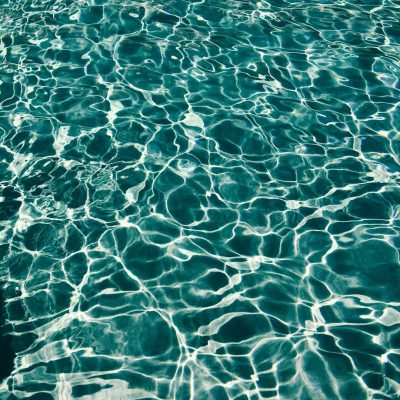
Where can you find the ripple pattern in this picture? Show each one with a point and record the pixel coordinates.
(200, 199)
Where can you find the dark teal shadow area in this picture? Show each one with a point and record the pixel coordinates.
(7, 354)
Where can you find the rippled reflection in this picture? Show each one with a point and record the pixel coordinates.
(200, 199)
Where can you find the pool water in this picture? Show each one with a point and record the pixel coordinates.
(200, 199)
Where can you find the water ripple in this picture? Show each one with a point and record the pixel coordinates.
(200, 200)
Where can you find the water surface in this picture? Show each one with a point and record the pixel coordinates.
(200, 199)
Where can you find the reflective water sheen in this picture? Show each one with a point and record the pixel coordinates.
(200, 199)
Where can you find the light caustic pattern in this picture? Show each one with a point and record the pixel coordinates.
(200, 199)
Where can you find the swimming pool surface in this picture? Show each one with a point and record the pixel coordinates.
(199, 199)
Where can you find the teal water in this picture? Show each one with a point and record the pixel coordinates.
(200, 199)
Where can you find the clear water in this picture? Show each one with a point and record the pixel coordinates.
(200, 199)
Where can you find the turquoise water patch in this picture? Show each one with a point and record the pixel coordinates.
(199, 200)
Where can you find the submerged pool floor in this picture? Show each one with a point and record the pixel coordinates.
(199, 200)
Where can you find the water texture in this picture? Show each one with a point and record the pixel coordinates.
(200, 199)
